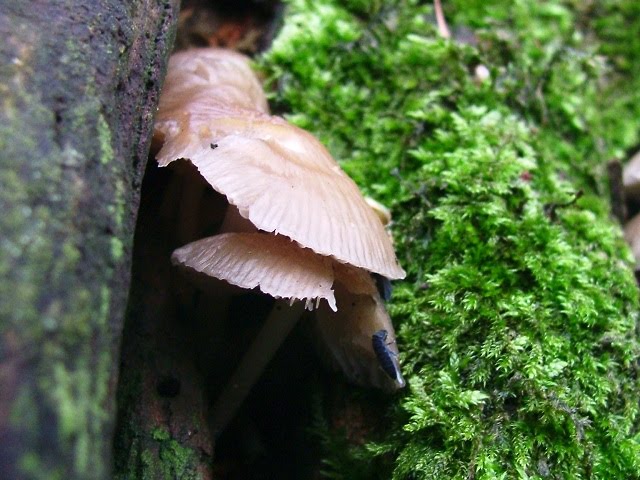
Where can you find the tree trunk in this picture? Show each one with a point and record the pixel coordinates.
(79, 84)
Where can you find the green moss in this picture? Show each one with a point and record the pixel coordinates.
(517, 319)
(105, 141)
(147, 460)
(176, 461)
(117, 248)
(155, 454)
(116, 208)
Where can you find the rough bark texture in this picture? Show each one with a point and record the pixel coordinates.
(79, 84)
(162, 428)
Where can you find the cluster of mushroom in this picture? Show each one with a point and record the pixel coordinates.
(296, 228)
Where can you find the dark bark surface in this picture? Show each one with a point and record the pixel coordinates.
(79, 84)
(162, 428)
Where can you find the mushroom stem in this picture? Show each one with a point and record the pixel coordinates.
(440, 20)
(277, 326)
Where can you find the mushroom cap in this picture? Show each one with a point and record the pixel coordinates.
(272, 263)
(380, 210)
(279, 176)
(225, 75)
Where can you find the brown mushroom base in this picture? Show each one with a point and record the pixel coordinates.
(344, 338)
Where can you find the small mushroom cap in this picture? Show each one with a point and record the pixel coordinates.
(383, 213)
(279, 176)
(226, 76)
(272, 263)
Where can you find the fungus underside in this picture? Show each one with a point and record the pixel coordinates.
(517, 329)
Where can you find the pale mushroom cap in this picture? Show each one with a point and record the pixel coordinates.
(228, 72)
(207, 83)
(383, 213)
(272, 263)
(279, 176)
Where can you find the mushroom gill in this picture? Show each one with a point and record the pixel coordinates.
(272, 263)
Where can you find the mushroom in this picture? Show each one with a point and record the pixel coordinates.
(297, 226)
(266, 167)
(383, 213)
(296, 277)
(272, 263)
(443, 29)
(631, 183)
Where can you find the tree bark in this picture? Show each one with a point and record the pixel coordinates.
(162, 430)
(79, 84)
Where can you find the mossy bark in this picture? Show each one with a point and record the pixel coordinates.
(79, 85)
(162, 430)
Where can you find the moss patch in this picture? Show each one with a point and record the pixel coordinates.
(176, 461)
(517, 319)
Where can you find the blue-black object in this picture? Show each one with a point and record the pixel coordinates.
(387, 358)
(383, 284)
